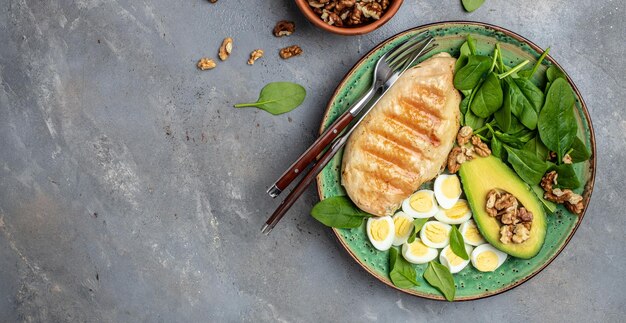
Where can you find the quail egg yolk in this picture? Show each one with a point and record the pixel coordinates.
(418, 248)
(455, 260)
(487, 261)
(458, 210)
(436, 233)
(451, 187)
(379, 230)
(421, 202)
(402, 225)
(472, 234)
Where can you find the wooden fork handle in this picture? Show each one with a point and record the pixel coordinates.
(310, 154)
(288, 202)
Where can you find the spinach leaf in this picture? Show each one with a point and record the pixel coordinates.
(401, 272)
(469, 75)
(554, 73)
(488, 98)
(524, 100)
(473, 120)
(579, 152)
(497, 148)
(457, 244)
(463, 57)
(471, 44)
(503, 117)
(278, 98)
(527, 165)
(557, 123)
(567, 176)
(417, 226)
(516, 140)
(471, 5)
(439, 276)
(338, 212)
(535, 146)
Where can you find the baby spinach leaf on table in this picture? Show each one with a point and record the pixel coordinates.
(488, 97)
(278, 98)
(457, 244)
(401, 272)
(528, 166)
(417, 226)
(537, 147)
(557, 123)
(579, 152)
(469, 75)
(338, 212)
(567, 176)
(471, 5)
(439, 276)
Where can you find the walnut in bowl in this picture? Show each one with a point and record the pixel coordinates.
(349, 17)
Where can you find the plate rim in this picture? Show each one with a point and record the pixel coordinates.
(587, 191)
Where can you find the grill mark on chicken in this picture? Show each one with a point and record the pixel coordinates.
(392, 138)
(402, 161)
(396, 184)
(420, 132)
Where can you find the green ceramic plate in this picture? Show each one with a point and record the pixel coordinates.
(471, 284)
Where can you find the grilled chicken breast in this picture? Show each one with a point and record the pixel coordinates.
(405, 139)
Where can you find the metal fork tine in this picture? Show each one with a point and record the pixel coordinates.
(407, 54)
(402, 47)
(423, 51)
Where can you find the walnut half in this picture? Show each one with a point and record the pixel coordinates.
(290, 51)
(206, 64)
(284, 28)
(226, 48)
(256, 54)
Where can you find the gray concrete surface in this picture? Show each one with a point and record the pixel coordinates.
(132, 191)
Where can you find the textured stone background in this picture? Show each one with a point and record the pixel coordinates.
(132, 191)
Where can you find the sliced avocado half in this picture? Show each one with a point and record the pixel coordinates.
(481, 175)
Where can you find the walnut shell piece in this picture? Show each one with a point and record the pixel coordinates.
(284, 28)
(290, 51)
(226, 48)
(256, 54)
(206, 64)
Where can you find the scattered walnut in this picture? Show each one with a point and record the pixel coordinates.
(290, 51)
(520, 233)
(284, 28)
(206, 64)
(480, 147)
(464, 135)
(226, 48)
(552, 156)
(453, 160)
(573, 202)
(256, 54)
(506, 201)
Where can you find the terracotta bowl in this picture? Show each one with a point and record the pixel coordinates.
(307, 11)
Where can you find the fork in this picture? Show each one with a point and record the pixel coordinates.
(388, 69)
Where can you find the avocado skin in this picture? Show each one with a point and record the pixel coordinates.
(478, 177)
